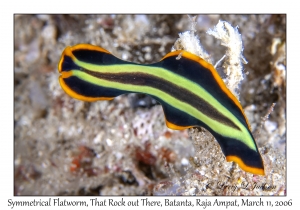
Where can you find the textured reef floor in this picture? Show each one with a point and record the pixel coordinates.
(63, 146)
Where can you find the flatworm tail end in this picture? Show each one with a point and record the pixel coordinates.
(236, 151)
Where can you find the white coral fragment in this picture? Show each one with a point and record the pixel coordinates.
(190, 42)
(232, 39)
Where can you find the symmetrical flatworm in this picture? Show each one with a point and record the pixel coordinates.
(189, 89)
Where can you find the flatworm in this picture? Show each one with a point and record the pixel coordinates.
(190, 90)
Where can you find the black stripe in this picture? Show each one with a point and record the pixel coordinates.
(68, 64)
(177, 92)
(177, 116)
(84, 88)
(96, 57)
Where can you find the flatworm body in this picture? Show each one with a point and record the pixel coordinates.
(191, 93)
